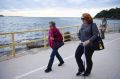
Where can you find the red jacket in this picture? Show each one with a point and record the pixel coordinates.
(55, 33)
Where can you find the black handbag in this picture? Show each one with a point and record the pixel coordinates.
(58, 44)
(97, 43)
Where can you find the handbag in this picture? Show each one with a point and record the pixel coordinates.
(58, 44)
(97, 43)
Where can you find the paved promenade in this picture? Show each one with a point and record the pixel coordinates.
(32, 66)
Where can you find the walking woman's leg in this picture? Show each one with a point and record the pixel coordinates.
(88, 53)
(52, 56)
(103, 34)
(59, 57)
(79, 61)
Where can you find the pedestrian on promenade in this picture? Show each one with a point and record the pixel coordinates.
(86, 45)
(55, 40)
(103, 28)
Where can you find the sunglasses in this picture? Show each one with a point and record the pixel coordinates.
(82, 18)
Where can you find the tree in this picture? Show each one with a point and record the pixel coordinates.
(113, 13)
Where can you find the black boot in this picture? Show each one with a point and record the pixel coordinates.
(60, 64)
(48, 70)
(79, 73)
(86, 74)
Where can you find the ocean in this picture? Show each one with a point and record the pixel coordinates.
(16, 24)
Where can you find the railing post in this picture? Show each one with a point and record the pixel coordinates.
(45, 39)
(13, 45)
(77, 29)
(114, 27)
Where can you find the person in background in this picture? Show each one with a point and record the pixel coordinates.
(103, 27)
(54, 36)
(86, 45)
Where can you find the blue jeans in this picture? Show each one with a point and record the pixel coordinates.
(52, 56)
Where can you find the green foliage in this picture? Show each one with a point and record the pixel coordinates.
(113, 13)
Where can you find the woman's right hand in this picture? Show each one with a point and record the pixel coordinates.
(85, 43)
(51, 38)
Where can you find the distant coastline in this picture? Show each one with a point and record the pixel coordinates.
(111, 14)
(107, 18)
(1, 15)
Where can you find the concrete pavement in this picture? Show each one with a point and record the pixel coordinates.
(32, 66)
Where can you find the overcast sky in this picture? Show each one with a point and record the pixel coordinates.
(54, 8)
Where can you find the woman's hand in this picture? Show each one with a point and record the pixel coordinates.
(85, 43)
(51, 38)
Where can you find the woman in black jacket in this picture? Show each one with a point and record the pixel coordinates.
(86, 44)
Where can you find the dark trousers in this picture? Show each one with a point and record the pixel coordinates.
(52, 56)
(88, 54)
(102, 34)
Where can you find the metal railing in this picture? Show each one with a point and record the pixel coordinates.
(13, 44)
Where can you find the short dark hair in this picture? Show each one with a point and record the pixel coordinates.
(52, 22)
